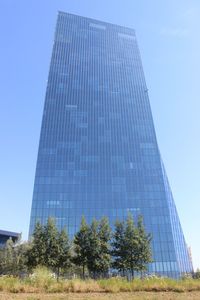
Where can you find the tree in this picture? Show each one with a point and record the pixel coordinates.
(93, 257)
(64, 252)
(104, 233)
(37, 249)
(7, 258)
(49, 247)
(143, 254)
(118, 247)
(81, 246)
(20, 249)
(98, 256)
(196, 275)
(51, 244)
(130, 245)
(12, 258)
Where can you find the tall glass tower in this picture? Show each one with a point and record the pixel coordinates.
(98, 153)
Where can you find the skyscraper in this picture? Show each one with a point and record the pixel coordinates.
(98, 153)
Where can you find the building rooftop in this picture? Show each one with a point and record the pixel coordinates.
(9, 233)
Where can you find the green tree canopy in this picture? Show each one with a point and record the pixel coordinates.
(143, 255)
(131, 247)
(51, 244)
(49, 247)
(81, 246)
(104, 233)
(94, 249)
(37, 251)
(118, 247)
(13, 258)
(63, 260)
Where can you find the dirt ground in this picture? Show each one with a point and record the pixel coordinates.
(103, 296)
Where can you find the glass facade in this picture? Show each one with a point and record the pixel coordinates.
(98, 153)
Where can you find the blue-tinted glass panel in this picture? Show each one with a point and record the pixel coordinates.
(98, 153)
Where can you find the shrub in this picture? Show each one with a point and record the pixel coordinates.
(42, 278)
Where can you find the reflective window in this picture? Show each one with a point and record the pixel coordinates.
(98, 154)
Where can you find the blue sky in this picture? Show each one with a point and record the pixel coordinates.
(168, 37)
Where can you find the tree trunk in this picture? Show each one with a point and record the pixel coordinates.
(123, 272)
(84, 272)
(132, 273)
(58, 274)
(141, 275)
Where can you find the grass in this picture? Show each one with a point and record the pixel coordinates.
(115, 285)
(42, 282)
(112, 285)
